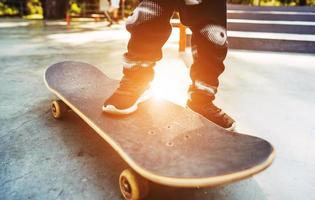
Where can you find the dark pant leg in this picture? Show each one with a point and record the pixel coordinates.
(150, 28)
(207, 20)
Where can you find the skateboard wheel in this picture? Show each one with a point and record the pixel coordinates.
(58, 109)
(133, 186)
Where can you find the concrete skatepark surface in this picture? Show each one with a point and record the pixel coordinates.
(271, 95)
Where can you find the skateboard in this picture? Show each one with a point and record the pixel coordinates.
(161, 142)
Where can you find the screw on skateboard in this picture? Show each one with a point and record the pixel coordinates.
(161, 142)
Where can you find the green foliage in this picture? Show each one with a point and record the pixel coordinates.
(77, 7)
(6, 10)
(74, 9)
(34, 7)
(270, 3)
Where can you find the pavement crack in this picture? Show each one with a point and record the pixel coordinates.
(22, 124)
(60, 193)
(14, 179)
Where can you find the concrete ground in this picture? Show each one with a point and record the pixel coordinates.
(271, 95)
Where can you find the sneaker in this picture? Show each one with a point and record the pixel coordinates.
(133, 89)
(200, 101)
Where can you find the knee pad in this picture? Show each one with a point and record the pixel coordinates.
(214, 33)
(145, 12)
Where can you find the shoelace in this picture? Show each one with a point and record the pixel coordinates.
(129, 86)
(216, 112)
(212, 108)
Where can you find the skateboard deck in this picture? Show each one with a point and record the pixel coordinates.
(163, 142)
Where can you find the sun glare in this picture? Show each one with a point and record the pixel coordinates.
(171, 82)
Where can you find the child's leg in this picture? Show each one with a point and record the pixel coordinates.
(150, 28)
(207, 20)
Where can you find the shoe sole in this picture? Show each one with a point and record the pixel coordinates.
(231, 128)
(113, 110)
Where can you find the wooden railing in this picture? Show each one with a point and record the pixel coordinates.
(91, 10)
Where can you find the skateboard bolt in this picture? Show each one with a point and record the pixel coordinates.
(151, 133)
(170, 144)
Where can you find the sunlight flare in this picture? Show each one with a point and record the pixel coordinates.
(171, 82)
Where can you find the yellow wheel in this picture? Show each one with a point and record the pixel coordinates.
(133, 186)
(58, 109)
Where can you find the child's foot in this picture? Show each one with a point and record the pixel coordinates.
(133, 89)
(200, 101)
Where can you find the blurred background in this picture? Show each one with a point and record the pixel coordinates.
(53, 9)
